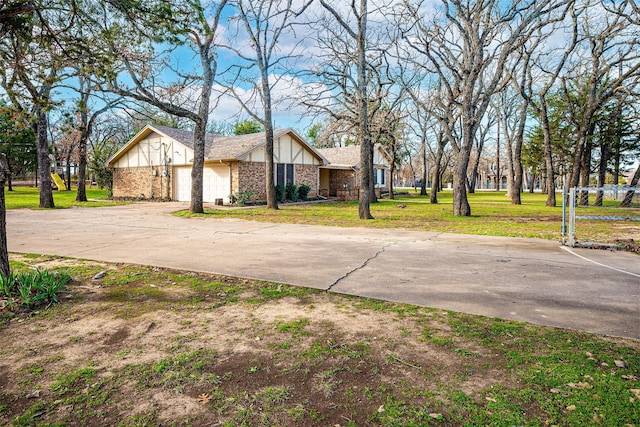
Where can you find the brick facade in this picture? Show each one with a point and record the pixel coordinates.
(142, 182)
(245, 176)
(338, 178)
(250, 177)
(307, 174)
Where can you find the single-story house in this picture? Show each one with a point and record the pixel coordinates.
(156, 164)
(341, 175)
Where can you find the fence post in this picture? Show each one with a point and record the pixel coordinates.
(564, 215)
(572, 217)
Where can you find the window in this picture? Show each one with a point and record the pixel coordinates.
(284, 174)
(378, 178)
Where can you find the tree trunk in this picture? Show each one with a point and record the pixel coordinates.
(471, 186)
(517, 169)
(81, 194)
(461, 205)
(9, 183)
(372, 197)
(602, 172)
(272, 200)
(548, 158)
(364, 198)
(68, 170)
(585, 168)
(423, 185)
(199, 134)
(392, 166)
(574, 177)
(44, 161)
(436, 185)
(626, 202)
(208, 61)
(532, 183)
(498, 174)
(5, 268)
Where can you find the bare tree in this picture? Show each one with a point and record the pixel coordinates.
(346, 42)
(511, 110)
(540, 70)
(132, 65)
(468, 45)
(266, 23)
(481, 137)
(610, 60)
(32, 62)
(86, 119)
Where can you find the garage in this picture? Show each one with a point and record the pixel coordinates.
(216, 183)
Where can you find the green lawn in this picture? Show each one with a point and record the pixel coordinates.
(28, 197)
(492, 214)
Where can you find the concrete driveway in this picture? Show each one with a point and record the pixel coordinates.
(522, 279)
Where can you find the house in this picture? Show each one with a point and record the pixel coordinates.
(340, 177)
(156, 164)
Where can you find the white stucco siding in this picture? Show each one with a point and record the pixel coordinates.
(379, 158)
(216, 183)
(155, 150)
(285, 150)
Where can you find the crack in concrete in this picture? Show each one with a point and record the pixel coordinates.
(252, 231)
(360, 267)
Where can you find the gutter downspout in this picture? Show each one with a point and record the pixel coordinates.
(230, 176)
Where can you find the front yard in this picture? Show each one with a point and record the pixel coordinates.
(145, 346)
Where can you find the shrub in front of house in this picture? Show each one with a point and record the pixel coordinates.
(292, 192)
(241, 198)
(280, 191)
(303, 191)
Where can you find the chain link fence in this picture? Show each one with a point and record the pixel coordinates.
(601, 217)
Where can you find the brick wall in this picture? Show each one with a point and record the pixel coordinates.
(339, 177)
(307, 174)
(245, 176)
(251, 177)
(139, 182)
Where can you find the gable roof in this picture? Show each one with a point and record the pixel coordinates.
(217, 147)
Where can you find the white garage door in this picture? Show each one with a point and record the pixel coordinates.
(215, 185)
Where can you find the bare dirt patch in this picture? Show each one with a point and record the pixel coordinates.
(147, 346)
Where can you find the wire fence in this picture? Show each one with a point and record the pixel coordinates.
(601, 217)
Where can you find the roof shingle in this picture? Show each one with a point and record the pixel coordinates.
(342, 156)
(220, 147)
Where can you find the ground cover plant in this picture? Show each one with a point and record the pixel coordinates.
(151, 346)
(28, 197)
(28, 289)
(493, 214)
